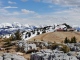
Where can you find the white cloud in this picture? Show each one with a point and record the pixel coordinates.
(50, 6)
(37, 0)
(10, 2)
(10, 7)
(22, 13)
(12, 14)
(3, 11)
(75, 3)
(66, 2)
(27, 11)
(70, 16)
(24, 0)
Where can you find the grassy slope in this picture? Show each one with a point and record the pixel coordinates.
(56, 36)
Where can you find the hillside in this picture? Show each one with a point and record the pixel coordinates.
(56, 36)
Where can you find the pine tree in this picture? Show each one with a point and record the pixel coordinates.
(29, 34)
(17, 35)
(73, 39)
(12, 38)
(33, 31)
(38, 33)
(43, 31)
(66, 40)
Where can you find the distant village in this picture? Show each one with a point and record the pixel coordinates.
(18, 35)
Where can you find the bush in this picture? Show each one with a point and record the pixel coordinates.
(12, 38)
(8, 43)
(54, 46)
(30, 51)
(65, 49)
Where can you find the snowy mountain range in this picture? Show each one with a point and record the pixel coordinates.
(8, 28)
(9, 25)
(19, 25)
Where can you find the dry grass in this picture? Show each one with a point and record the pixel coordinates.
(11, 50)
(52, 37)
(56, 36)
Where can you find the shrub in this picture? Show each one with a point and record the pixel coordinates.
(65, 49)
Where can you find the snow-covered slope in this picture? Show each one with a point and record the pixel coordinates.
(26, 25)
(6, 25)
(16, 25)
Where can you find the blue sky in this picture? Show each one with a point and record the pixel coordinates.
(39, 7)
(40, 11)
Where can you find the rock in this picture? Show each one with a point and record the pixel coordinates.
(9, 56)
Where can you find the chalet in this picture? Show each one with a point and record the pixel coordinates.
(60, 28)
(71, 29)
